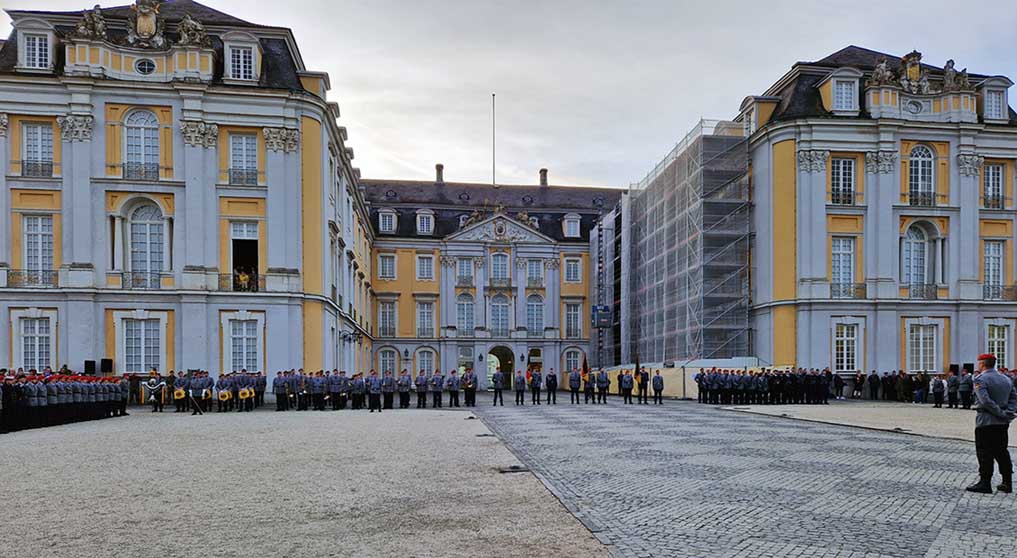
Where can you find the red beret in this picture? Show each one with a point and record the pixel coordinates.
(985, 356)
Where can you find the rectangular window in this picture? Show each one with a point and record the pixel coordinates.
(572, 228)
(464, 315)
(573, 321)
(387, 361)
(842, 260)
(244, 339)
(425, 360)
(922, 348)
(499, 266)
(994, 104)
(37, 51)
(244, 230)
(425, 268)
(464, 271)
(998, 337)
(845, 346)
(386, 222)
(38, 150)
(38, 234)
(141, 345)
(387, 266)
(535, 271)
(425, 319)
(993, 186)
(842, 181)
(843, 95)
(242, 63)
(573, 270)
(35, 343)
(386, 319)
(572, 360)
(993, 262)
(425, 224)
(243, 159)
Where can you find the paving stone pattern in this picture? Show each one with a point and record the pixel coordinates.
(684, 479)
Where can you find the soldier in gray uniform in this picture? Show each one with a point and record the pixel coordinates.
(536, 380)
(952, 388)
(374, 392)
(520, 384)
(125, 394)
(997, 407)
(452, 385)
(421, 384)
(603, 384)
(658, 389)
(498, 383)
(388, 388)
(575, 382)
(588, 389)
(965, 388)
(437, 387)
(403, 383)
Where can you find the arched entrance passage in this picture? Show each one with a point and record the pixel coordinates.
(501, 357)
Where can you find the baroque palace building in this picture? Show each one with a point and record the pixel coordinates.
(176, 194)
(876, 230)
(481, 275)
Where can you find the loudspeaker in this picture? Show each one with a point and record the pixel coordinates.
(970, 367)
(106, 366)
(955, 369)
(90, 367)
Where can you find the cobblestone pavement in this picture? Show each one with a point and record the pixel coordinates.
(684, 479)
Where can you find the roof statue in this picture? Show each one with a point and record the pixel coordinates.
(145, 26)
(92, 25)
(913, 78)
(954, 80)
(475, 217)
(882, 75)
(192, 32)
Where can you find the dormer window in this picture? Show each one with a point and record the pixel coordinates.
(37, 51)
(241, 62)
(35, 45)
(839, 91)
(242, 58)
(425, 222)
(844, 96)
(387, 221)
(994, 105)
(571, 226)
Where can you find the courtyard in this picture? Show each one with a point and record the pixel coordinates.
(680, 479)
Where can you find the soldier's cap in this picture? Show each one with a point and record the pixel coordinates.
(986, 356)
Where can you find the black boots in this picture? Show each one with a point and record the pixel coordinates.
(1006, 486)
(982, 487)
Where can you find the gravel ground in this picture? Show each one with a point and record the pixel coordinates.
(404, 483)
(918, 419)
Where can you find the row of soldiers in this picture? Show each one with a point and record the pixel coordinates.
(36, 400)
(764, 387)
(303, 391)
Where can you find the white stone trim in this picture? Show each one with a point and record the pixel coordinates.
(1009, 324)
(17, 358)
(119, 333)
(940, 324)
(227, 339)
(859, 323)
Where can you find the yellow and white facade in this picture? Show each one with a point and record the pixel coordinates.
(176, 195)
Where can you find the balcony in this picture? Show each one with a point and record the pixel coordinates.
(573, 333)
(922, 199)
(920, 291)
(464, 280)
(842, 197)
(994, 202)
(241, 282)
(847, 290)
(499, 331)
(535, 333)
(243, 177)
(141, 171)
(500, 283)
(425, 332)
(140, 280)
(999, 292)
(386, 331)
(37, 169)
(32, 278)
(535, 282)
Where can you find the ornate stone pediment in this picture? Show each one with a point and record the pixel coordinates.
(880, 162)
(970, 164)
(812, 161)
(499, 228)
(145, 27)
(199, 134)
(281, 139)
(76, 127)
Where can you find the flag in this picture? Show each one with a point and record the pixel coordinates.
(586, 369)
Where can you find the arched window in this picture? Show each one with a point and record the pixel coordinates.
(921, 183)
(500, 316)
(499, 266)
(425, 359)
(573, 360)
(464, 315)
(146, 245)
(387, 360)
(915, 256)
(141, 160)
(535, 316)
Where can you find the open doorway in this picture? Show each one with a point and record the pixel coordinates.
(503, 358)
(244, 257)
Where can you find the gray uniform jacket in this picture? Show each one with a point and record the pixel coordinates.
(520, 382)
(403, 383)
(498, 380)
(952, 384)
(967, 383)
(997, 399)
(658, 383)
(388, 384)
(421, 383)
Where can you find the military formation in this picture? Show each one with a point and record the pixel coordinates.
(39, 399)
(764, 387)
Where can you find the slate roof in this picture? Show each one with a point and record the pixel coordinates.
(799, 98)
(450, 200)
(278, 69)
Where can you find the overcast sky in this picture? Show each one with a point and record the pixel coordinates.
(596, 91)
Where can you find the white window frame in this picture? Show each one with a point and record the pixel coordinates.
(535, 314)
(842, 180)
(247, 343)
(535, 269)
(922, 171)
(992, 184)
(42, 151)
(845, 94)
(995, 109)
(392, 222)
(993, 258)
(425, 222)
(425, 318)
(573, 320)
(935, 351)
(466, 308)
(464, 265)
(382, 259)
(240, 68)
(33, 224)
(573, 263)
(387, 316)
(1001, 347)
(431, 366)
(425, 272)
(567, 359)
(33, 32)
(858, 323)
(911, 262)
(227, 338)
(147, 136)
(151, 226)
(845, 348)
(244, 151)
(842, 256)
(120, 334)
(388, 359)
(571, 226)
(507, 307)
(17, 348)
(500, 261)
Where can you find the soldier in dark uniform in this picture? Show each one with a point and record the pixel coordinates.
(403, 384)
(658, 389)
(374, 391)
(536, 380)
(551, 383)
(603, 384)
(498, 383)
(952, 386)
(421, 383)
(452, 385)
(626, 387)
(520, 385)
(469, 383)
(997, 407)
(589, 388)
(437, 387)
(643, 383)
(704, 392)
(965, 387)
(575, 379)
(125, 393)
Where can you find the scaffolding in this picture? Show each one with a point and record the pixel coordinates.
(689, 240)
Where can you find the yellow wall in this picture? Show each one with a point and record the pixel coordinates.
(231, 209)
(785, 252)
(996, 229)
(115, 200)
(582, 288)
(115, 114)
(224, 150)
(826, 94)
(311, 214)
(764, 110)
(38, 202)
(16, 141)
(313, 335)
(941, 168)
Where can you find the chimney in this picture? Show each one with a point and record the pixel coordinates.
(439, 173)
(543, 177)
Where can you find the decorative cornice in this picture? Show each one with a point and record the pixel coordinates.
(198, 133)
(4, 121)
(812, 160)
(448, 261)
(521, 263)
(76, 127)
(281, 139)
(970, 164)
(478, 261)
(880, 162)
(552, 263)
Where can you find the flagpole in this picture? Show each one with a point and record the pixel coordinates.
(494, 182)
